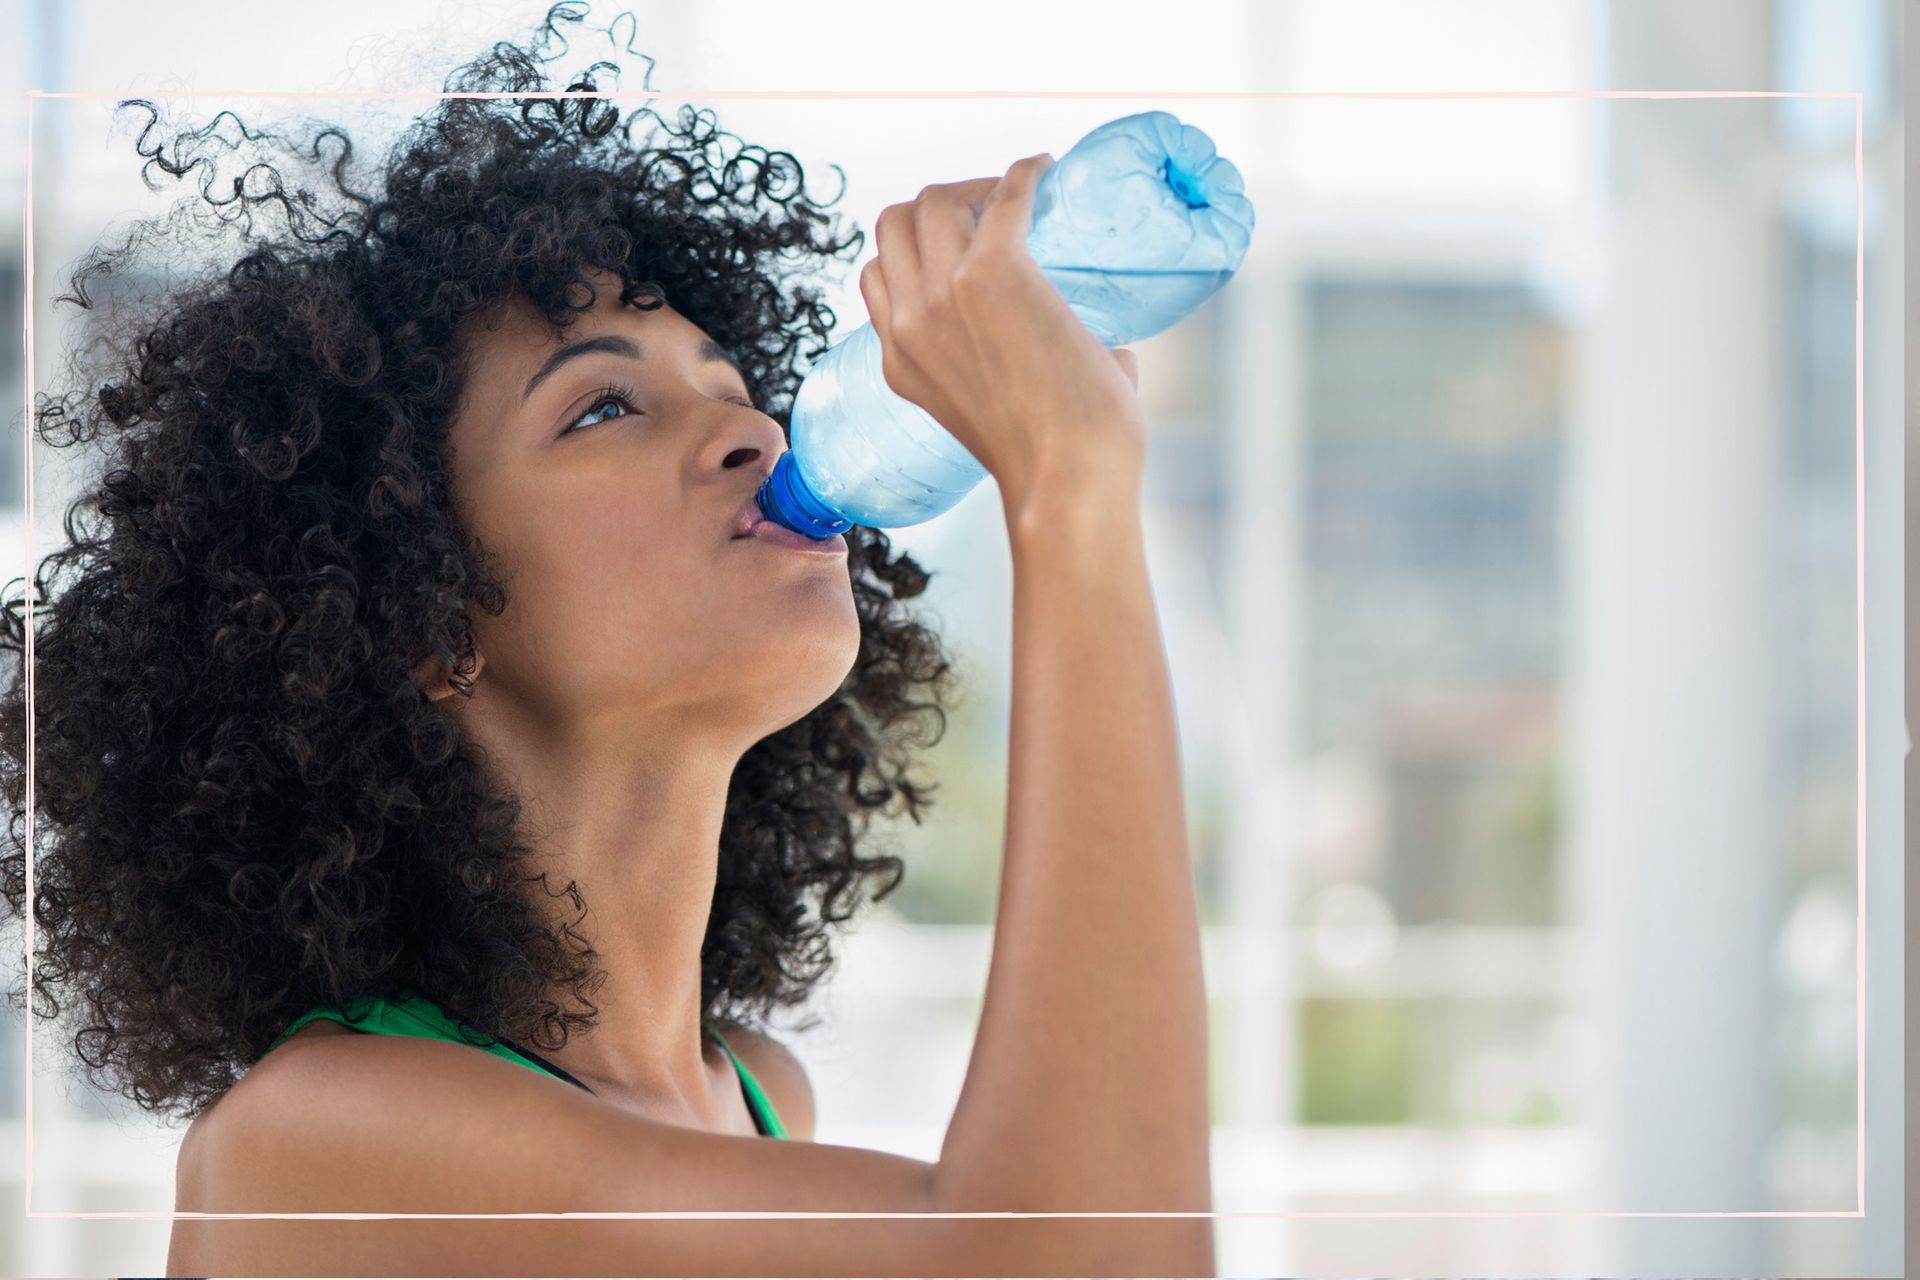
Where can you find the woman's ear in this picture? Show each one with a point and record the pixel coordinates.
(433, 678)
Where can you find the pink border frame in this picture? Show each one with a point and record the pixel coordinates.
(1859, 438)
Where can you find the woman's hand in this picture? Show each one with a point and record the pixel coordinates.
(972, 332)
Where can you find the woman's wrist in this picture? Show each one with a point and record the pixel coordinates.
(1097, 511)
(1091, 517)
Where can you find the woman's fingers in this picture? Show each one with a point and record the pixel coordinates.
(973, 332)
(944, 219)
(873, 288)
(920, 244)
(1007, 214)
(897, 254)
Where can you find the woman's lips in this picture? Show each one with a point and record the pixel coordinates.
(781, 536)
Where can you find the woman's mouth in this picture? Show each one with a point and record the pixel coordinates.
(780, 536)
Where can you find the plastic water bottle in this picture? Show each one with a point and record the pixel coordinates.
(1137, 225)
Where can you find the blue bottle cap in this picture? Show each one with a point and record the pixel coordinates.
(786, 500)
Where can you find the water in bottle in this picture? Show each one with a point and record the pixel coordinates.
(1138, 224)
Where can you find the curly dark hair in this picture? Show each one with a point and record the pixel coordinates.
(236, 779)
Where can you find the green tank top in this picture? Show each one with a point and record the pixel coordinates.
(413, 1015)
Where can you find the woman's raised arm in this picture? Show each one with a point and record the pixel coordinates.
(1087, 1089)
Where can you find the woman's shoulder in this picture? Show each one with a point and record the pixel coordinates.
(267, 1088)
(206, 1145)
(327, 1079)
(284, 1058)
(335, 1120)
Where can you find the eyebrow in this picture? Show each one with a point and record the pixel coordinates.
(709, 352)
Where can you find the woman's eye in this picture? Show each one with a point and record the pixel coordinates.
(616, 396)
(588, 418)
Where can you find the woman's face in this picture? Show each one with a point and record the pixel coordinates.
(613, 515)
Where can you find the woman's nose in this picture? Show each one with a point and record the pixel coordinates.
(746, 437)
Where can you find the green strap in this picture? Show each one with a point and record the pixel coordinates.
(412, 1015)
(761, 1102)
(406, 1015)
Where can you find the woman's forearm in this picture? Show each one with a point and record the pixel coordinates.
(1087, 1087)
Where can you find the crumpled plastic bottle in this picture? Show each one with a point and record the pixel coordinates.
(1138, 224)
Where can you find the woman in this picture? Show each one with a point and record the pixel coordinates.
(422, 909)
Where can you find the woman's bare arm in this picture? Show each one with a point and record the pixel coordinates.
(1087, 1088)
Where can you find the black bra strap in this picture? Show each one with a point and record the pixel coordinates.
(759, 1123)
(531, 1056)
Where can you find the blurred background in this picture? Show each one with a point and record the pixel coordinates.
(1501, 516)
